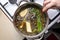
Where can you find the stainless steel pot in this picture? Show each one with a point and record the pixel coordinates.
(29, 4)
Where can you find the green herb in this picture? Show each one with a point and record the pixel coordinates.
(39, 23)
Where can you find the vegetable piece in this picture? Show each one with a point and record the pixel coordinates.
(28, 26)
(39, 23)
(37, 13)
(22, 24)
(23, 13)
(35, 30)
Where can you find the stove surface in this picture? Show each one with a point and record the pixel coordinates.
(11, 8)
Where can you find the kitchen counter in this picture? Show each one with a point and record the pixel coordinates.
(7, 30)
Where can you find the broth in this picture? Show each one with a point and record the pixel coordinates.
(30, 21)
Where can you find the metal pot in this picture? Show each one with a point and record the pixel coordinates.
(31, 4)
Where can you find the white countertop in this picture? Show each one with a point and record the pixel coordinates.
(7, 30)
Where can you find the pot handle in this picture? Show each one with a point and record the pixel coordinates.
(39, 38)
(25, 1)
(53, 22)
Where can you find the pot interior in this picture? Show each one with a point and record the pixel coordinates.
(29, 19)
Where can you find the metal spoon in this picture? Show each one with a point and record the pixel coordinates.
(13, 2)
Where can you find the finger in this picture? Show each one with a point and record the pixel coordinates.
(48, 6)
(54, 7)
(46, 2)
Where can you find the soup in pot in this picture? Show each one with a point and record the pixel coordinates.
(30, 21)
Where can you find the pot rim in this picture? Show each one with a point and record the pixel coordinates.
(34, 36)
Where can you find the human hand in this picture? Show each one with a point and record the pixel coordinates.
(50, 4)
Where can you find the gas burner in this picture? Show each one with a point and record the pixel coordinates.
(13, 2)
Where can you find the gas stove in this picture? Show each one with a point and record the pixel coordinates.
(9, 9)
